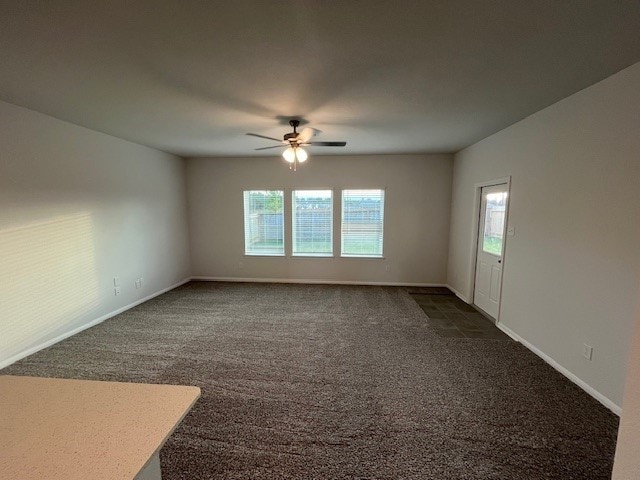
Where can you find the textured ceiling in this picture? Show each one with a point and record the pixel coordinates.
(192, 77)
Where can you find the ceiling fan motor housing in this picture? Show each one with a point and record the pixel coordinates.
(289, 136)
(297, 139)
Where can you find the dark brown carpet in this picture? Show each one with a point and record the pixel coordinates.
(340, 382)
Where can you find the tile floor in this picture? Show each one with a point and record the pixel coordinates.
(451, 317)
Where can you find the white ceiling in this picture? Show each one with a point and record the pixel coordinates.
(192, 77)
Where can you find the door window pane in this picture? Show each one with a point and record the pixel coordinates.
(494, 223)
(312, 223)
(362, 223)
(264, 222)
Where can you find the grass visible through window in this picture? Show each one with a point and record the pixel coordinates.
(361, 246)
(492, 245)
(314, 247)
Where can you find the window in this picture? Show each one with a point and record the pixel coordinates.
(263, 222)
(362, 223)
(494, 223)
(312, 223)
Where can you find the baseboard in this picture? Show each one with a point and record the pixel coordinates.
(48, 343)
(586, 387)
(314, 281)
(581, 383)
(458, 294)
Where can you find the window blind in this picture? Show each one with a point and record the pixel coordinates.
(312, 223)
(264, 222)
(362, 223)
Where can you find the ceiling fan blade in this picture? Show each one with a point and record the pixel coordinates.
(328, 144)
(266, 148)
(262, 136)
(305, 135)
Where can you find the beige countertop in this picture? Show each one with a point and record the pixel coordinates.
(54, 428)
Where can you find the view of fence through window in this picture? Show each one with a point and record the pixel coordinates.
(312, 222)
(494, 223)
(264, 222)
(362, 223)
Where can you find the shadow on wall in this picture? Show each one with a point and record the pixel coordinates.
(47, 279)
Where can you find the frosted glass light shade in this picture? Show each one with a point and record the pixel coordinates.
(289, 155)
(301, 154)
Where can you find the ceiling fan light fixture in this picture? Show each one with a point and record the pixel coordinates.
(289, 155)
(293, 154)
(301, 155)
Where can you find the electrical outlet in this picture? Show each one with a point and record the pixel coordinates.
(141, 281)
(587, 351)
(116, 291)
(137, 283)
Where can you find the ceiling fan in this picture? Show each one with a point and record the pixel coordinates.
(294, 141)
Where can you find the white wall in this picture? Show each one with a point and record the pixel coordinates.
(627, 461)
(571, 270)
(417, 204)
(78, 207)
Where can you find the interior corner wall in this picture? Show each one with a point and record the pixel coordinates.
(78, 208)
(571, 270)
(416, 218)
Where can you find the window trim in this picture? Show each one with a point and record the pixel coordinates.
(333, 201)
(384, 197)
(244, 230)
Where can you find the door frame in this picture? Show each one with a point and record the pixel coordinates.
(477, 200)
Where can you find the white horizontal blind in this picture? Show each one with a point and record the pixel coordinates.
(362, 223)
(264, 222)
(312, 223)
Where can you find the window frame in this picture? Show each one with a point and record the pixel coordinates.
(244, 222)
(503, 229)
(364, 256)
(293, 224)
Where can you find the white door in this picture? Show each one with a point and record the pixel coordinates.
(493, 211)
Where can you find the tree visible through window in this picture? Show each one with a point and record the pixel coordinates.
(362, 223)
(312, 222)
(264, 222)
